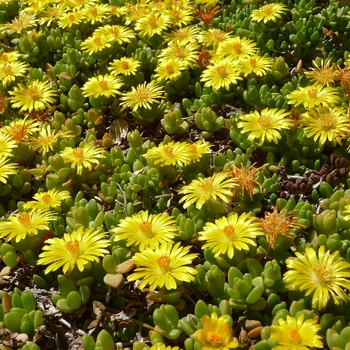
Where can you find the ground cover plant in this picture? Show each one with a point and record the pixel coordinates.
(174, 174)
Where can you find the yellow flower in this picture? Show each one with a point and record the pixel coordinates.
(34, 96)
(6, 169)
(68, 19)
(9, 72)
(198, 149)
(223, 73)
(187, 54)
(325, 276)
(279, 223)
(269, 12)
(102, 85)
(152, 23)
(47, 200)
(19, 130)
(326, 124)
(51, 14)
(145, 230)
(180, 16)
(119, 33)
(255, 64)
(296, 334)
(237, 48)
(7, 144)
(324, 74)
(8, 57)
(82, 157)
(97, 43)
(214, 37)
(142, 96)
(20, 225)
(165, 266)
(96, 12)
(124, 66)
(313, 96)
(265, 125)
(182, 36)
(216, 333)
(171, 153)
(228, 234)
(74, 249)
(21, 23)
(169, 69)
(201, 190)
(245, 180)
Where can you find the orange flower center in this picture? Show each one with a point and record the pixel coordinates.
(71, 17)
(141, 95)
(24, 219)
(294, 336)
(146, 228)
(266, 10)
(181, 34)
(322, 274)
(34, 94)
(312, 93)
(264, 122)
(103, 84)
(252, 62)
(93, 11)
(18, 132)
(115, 31)
(46, 199)
(7, 70)
(163, 261)
(168, 151)
(326, 121)
(152, 22)
(207, 185)
(179, 52)
(169, 68)
(124, 64)
(221, 71)
(229, 231)
(97, 40)
(214, 338)
(78, 153)
(73, 247)
(4, 57)
(237, 47)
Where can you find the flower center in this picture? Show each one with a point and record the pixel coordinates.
(46, 199)
(73, 247)
(34, 94)
(264, 122)
(93, 11)
(24, 219)
(152, 22)
(7, 70)
(163, 261)
(124, 64)
(181, 34)
(326, 121)
(322, 274)
(78, 153)
(221, 71)
(169, 68)
(103, 84)
(294, 336)
(97, 40)
(312, 93)
(18, 132)
(214, 338)
(4, 57)
(141, 95)
(71, 17)
(237, 47)
(146, 228)
(207, 185)
(266, 10)
(252, 62)
(229, 231)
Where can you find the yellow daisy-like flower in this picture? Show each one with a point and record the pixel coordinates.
(142, 96)
(46, 139)
(228, 234)
(187, 54)
(97, 43)
(169, 69)
(51, 14)
(216, 333)
(19, 130)
(223, 73)
(182, 36)
(23, 22)
(124, 66)
(279, 223)
(94, 13)
(7, 144)
(180, 16)
(314, 95)
(47, 200)
(237, 48)
(74, 249)
(103, 85)
(34, 96)
(214, 37)
(326, 124)
(119, 33)
(145, 230)
(165, 266)
(68, 19)
(171, 153)
(23, 224)
(135, 11)
(9, 72)
(265, 125)
(296, 334)
(324, 74)
(82, 157)
(269, 12)
(152, 23)
(6, 169)
(325, 276)
(201, 190)
(8, 57)
(198, 149)
(255, 64)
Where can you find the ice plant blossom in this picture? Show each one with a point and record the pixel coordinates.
(324, 276)
(47, 200)
(74, 249)
(269, 12)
